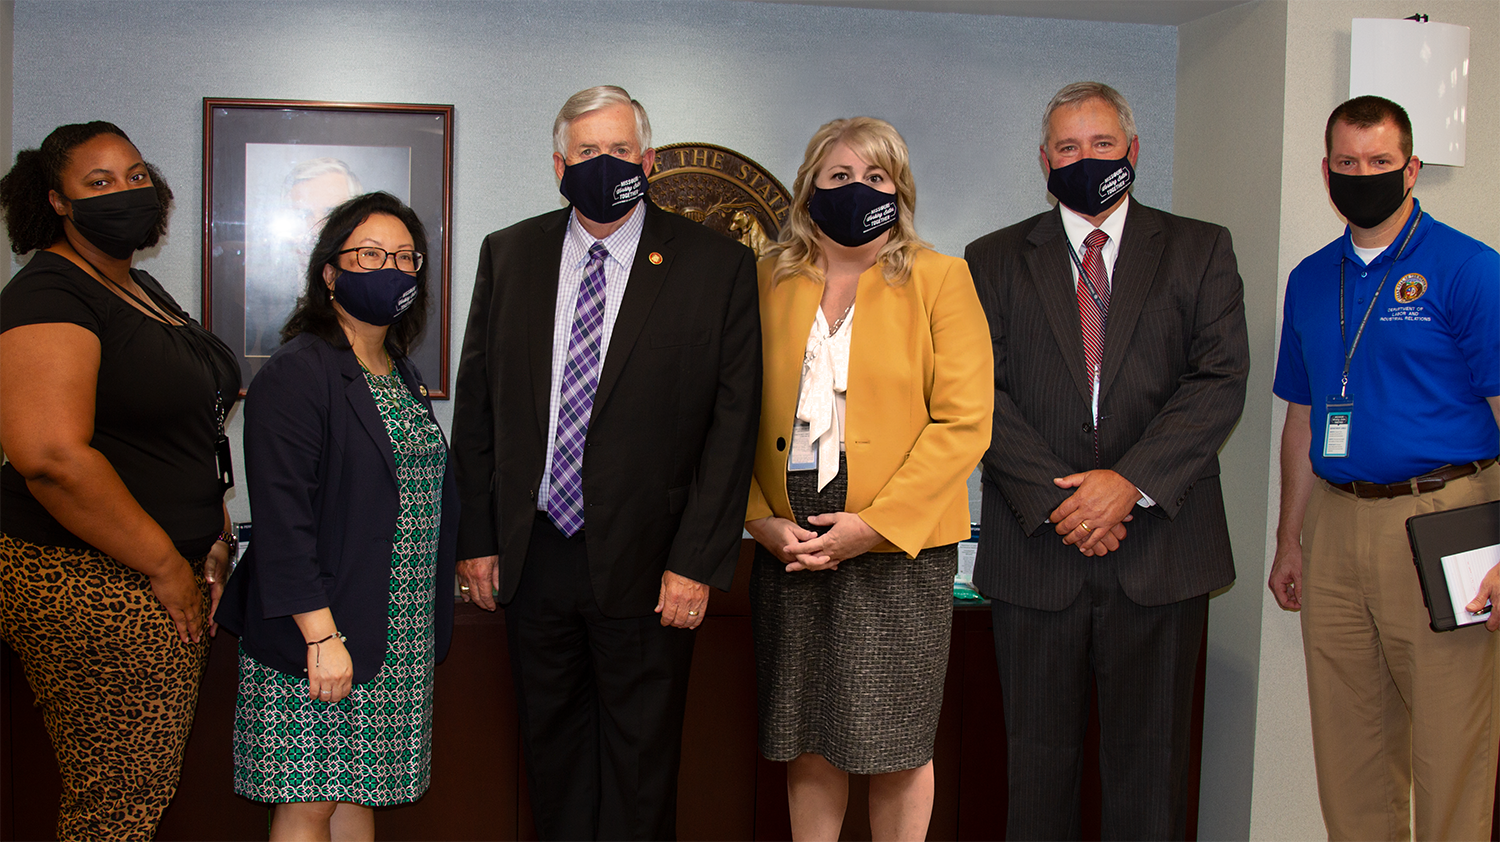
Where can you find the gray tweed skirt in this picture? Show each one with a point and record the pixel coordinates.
(850, 663)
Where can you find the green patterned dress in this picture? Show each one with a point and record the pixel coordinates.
(373, 747)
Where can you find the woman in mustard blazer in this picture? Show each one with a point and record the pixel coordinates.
(878, 391)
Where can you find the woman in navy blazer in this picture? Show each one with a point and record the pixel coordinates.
(344, 601)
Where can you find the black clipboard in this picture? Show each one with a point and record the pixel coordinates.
(1439, 534)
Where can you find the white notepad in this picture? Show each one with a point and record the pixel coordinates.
(1464, 572)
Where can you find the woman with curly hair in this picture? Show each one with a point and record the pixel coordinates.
(114, 539)
(875, 410)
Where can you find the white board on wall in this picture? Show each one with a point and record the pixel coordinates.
(1424, 67)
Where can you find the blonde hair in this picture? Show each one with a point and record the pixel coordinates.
(877, 142)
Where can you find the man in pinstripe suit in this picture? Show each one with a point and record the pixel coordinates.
(1120, 364)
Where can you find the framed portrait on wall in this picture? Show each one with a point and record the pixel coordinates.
(272, 171)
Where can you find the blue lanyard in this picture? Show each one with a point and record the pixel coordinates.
(1343, 337)
(1083, 278)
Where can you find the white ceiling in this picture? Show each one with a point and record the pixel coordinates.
(1161, 12)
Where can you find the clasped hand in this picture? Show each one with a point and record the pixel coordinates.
(804, 549)
(1094, 516)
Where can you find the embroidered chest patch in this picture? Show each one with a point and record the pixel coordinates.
(1410, 288)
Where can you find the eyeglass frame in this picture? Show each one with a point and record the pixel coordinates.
(421, 258)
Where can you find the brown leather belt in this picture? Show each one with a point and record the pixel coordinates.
(1416, 485)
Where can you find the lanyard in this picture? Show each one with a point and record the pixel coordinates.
(221, 412)
(1343, 338)
(149, 308)
(1083, 278)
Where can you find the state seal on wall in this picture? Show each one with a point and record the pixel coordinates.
(1410, 288)
(721, 189)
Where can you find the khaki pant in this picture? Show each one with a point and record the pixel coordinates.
(1396, 707)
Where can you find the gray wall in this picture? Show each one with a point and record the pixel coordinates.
(967, 91)
(7, 32)
(6, 17)
(1225, 169)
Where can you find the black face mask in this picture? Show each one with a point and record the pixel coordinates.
(1368, 200)
(854, 214)
(117, 223)
(1089, 186)
(603, 188)
(375, 298)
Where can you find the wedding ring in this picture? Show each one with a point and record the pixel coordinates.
(692, 613)
(1085, 526)
(464, 588)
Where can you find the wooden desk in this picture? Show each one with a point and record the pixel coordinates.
(478, 783)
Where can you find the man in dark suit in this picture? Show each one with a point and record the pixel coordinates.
(1120, 364)
(606, 409)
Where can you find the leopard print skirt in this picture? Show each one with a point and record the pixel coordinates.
(116, 685)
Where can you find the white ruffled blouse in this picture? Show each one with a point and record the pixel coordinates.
(825, 380)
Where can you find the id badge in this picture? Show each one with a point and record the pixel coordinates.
(804, 456)
(1336, 433)
(226, 466)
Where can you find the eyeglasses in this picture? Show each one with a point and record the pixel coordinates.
(371, 259)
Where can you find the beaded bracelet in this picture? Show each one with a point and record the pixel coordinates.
(318, 657)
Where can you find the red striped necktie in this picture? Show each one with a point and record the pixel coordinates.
(1092, 313)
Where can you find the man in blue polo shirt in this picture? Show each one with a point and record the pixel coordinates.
(1390, 365)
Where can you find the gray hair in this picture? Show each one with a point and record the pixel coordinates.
(1083, 91)
(316, 168)
(593, 99)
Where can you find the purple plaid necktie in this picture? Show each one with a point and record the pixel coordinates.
(576, 398)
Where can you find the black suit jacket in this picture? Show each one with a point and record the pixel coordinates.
(324, 504)
(666, 472)
(1172, 386)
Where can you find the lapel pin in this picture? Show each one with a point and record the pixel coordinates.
(655, 258)
(423, 390)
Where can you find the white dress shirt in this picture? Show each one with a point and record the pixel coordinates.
(622, 245)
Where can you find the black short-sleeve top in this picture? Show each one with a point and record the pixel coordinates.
(158, 405)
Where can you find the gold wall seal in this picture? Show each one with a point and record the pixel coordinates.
(721, 189)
